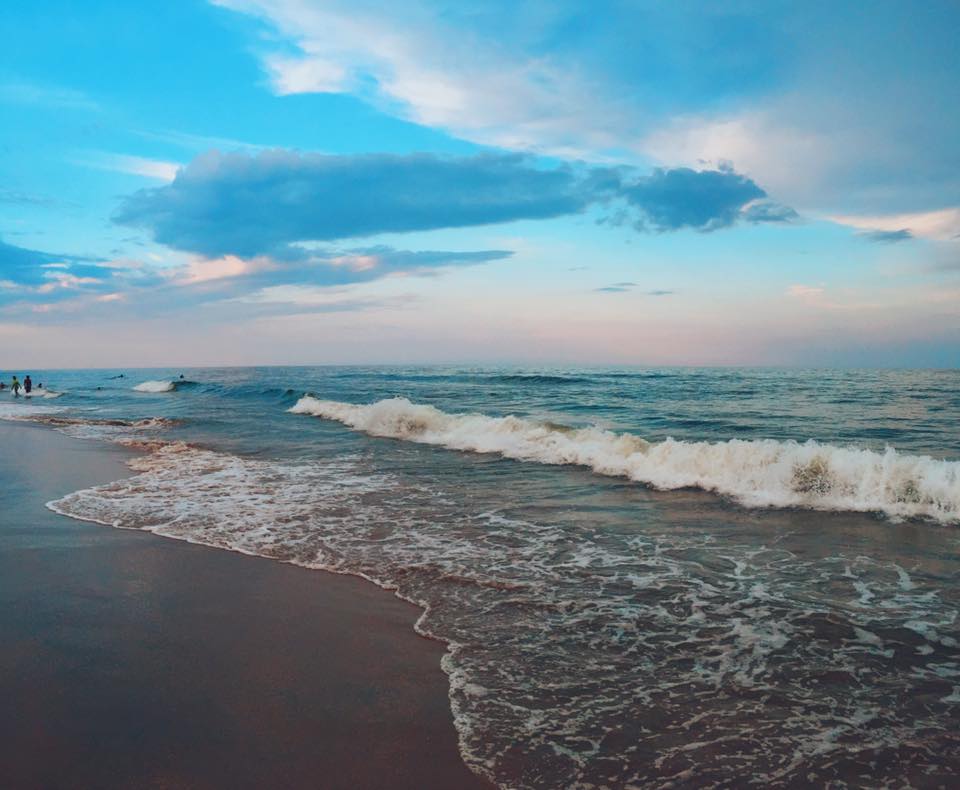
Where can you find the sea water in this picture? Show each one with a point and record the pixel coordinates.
(644, 577)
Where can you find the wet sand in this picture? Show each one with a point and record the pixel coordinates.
(129, 661)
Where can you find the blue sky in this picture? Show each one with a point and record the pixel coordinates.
(296, 181)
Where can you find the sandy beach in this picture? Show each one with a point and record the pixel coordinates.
(129, 660)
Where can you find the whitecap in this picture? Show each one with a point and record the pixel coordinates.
(155, 386)
(756, 473)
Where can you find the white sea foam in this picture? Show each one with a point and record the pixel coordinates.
(156, 386)
(559, 634)
(42, 392)
(758, 473)
(22, 409)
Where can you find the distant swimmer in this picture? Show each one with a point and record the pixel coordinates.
(15, 386)
(27, 384)
(181, 375)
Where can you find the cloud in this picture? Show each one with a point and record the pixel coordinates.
(422, 65)
(704, 200)
(25, 198)
(202, 271)
(31, 267)
(844, 300)
(268, 204)
(22, 92)
(805, 292)
(766, 144)
(221, 285)
(305, 75)
(66, 285)
(134, 165)
(939, 225)
(320, 268)
(197, 142)
(32, 275)
(617, 288)
(769, 211)
(887, 236)
(823, 154)
(248, 205)
(780, 90)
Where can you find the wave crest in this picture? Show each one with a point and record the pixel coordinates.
(155, 386)
(757, 473)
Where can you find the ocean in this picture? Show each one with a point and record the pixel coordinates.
(649, 577)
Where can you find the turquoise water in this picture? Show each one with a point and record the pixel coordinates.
(650, 577)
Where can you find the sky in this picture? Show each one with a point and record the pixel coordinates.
(251, 182)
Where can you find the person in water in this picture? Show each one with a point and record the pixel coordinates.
(15, 386)
(27, 384)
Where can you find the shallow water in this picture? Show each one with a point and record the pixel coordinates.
(621, 609)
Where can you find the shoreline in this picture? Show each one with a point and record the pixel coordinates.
(134, 661)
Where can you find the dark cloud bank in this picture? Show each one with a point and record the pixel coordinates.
(248, 205)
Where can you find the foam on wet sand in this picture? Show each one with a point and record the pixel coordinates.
(132, 661)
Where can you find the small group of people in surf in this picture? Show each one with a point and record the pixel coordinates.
(16, 386)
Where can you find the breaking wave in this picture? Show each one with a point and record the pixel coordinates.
(155, 386)
(756, 473)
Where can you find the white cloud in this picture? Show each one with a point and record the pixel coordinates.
(306, 75)
(68, 281)
(790, 162)
(356, 263)
(807, 292)
(942, 225)
(415, 68)
(208, 270)
(134, 165)
(197, 142)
